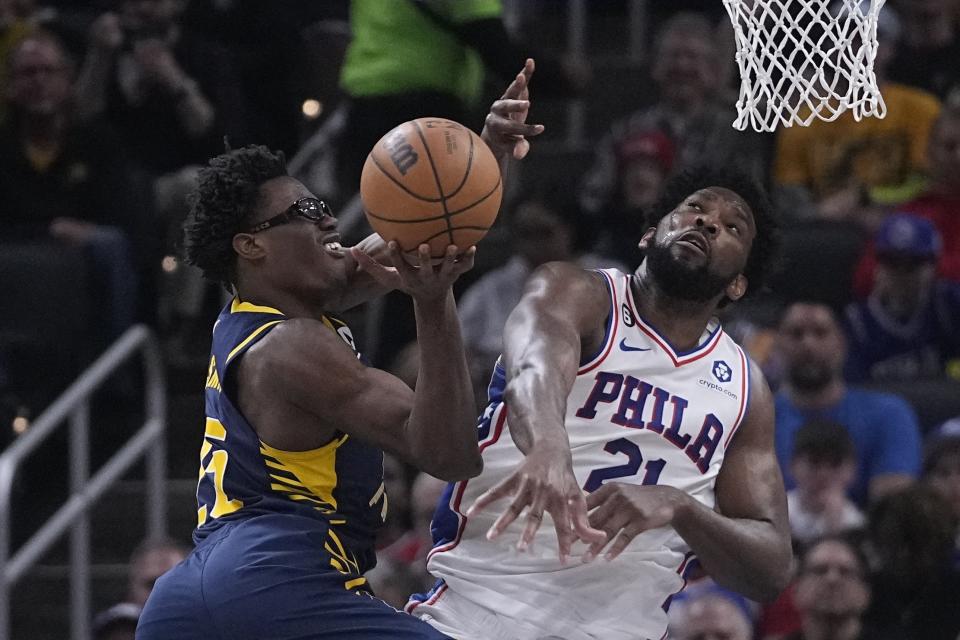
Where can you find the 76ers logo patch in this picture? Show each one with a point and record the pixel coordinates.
(722, 371)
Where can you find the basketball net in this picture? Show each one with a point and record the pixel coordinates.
(801, 60)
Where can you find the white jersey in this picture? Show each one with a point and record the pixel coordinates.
(639, 412)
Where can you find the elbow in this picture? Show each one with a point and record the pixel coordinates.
(776, 579)
(458, 468)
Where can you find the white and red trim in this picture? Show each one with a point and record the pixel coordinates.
(678, 359)
(434, 595)
(744, 394)
(499, 418)
(611, 331)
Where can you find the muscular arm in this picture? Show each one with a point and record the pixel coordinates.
(745, 543)
(563, 308)
(314, 371)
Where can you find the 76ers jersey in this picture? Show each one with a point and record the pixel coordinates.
(639, 412)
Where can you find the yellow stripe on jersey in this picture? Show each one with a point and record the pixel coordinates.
(356, 582)
(213, 380)
(248, 307)
(314, 470)
(214, 429)
(240, 347)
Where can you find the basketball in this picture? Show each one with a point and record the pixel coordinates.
(431, 181)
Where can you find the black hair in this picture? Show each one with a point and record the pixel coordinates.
(850, 541)
(826, 441)
(222, 204)
(765, 245)
(560, 199)
(938, 448)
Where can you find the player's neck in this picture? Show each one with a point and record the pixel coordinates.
(290, 304)
(682, 322)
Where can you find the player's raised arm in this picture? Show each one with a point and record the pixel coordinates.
(505, 129)
(432, 428)
(563, 311)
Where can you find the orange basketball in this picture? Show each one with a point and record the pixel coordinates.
(431, 181)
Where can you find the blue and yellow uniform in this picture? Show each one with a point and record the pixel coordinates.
(283, 538)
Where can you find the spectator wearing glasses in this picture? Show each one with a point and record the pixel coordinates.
(65, 181)
(907, 328)
(832, 592)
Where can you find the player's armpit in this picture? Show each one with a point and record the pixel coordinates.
(305, 364)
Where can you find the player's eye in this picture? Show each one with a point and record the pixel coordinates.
(695, 205)
(734, 228)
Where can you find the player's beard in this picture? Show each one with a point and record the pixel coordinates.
(683, 281)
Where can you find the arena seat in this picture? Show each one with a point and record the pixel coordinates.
(817, 263)
(934, 400)
(46, 318)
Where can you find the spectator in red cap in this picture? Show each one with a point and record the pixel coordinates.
(644, 162)
(907, 326)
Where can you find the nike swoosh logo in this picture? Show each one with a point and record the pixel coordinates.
(625, 347)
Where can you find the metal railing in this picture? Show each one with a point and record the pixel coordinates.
(74, 406)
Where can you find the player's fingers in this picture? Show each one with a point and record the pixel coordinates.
(464, 261)
(521, 149)
(516, 86)
(583, 528)
(503, 488)
(529, 66)
(534, 519)
(399, 262)
(513, 510)
(425, 263)
(504, 125)
(620, 543)
(610, 526)
(598, 497)
(562, 524)
(449, 260)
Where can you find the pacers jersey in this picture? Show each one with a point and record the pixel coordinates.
(340, 484)
(639, 412)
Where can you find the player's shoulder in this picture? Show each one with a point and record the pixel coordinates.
(298, 339)
(558, 277)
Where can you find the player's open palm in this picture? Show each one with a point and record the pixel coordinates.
(624, 511)
(543, 483)
(425, 282)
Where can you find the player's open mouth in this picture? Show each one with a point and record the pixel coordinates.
(331, 244)
(695, 240)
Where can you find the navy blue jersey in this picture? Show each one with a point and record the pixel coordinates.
(884, 348)
(340, 485)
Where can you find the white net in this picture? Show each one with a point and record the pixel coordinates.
(805, 59)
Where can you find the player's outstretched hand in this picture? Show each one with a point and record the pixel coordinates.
(544, 482)
(425, 282)
(624, 511)
(506, 130)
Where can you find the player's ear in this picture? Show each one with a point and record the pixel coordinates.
(248, 246)
(647, 238)
(737, 287)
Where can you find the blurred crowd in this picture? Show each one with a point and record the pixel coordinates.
(108, 110)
